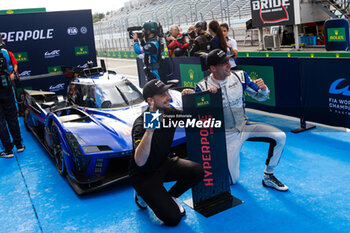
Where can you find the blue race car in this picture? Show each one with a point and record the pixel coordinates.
(88, 133)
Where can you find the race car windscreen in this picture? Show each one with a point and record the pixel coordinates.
(105, 94)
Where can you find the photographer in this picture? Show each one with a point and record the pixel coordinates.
(202, 41)
(150, 47)
(177, 45)
(191, 34)
(8, 111)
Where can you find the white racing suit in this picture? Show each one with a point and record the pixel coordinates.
(237, 127)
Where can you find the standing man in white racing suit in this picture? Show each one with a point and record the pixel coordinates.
(237, 127)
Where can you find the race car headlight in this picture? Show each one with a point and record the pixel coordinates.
(94, 149)
(90, 149)
(73, 144)
(81, 162)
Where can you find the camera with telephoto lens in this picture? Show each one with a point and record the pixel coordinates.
(137, 30)
(191, 34)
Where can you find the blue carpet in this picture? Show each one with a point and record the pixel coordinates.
(315, 165)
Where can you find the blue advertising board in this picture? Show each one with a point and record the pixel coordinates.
(326, 90)
(43, 42)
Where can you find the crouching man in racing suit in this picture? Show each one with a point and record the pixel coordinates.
(150, 48)
(237, 127)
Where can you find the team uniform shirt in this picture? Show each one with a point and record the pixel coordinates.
(8, 60)
(233, 44)
(233, 89)
(201, 44)
(160, 146)
(150, 49)
(4, 79)
(215, 43)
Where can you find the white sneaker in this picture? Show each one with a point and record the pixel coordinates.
(20, 148)
(6, 154)
(181, 208)
(271, 181)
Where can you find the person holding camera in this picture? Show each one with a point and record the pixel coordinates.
(8, 110)
(231, 46)
(150, 47)
(177, 45)
(202, 41)
(191, 35)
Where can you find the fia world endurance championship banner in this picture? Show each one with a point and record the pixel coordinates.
(272, 12)
(326, 84)
(43, 42)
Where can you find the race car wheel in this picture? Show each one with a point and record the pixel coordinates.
(57, 151)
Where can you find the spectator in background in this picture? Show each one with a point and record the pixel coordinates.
(191, 28)
(231, 45)
(16, 82)
(177, 46)
(218, 41)
(202, 41)
(8, 111)
(13, 62)
(191, 31)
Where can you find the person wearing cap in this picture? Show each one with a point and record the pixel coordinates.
(238, 129)
(202, 41)
(8, 110)
(150, 166)
(149, 47)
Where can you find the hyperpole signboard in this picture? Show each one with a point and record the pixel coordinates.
(207, 146)
(44, 41)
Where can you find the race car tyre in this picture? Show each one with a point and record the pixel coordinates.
(57, 151)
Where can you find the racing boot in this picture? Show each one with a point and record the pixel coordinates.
(271, 181)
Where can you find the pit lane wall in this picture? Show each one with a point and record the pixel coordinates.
(42, 42)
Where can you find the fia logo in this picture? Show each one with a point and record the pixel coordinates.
(151, 120)
(72, 31)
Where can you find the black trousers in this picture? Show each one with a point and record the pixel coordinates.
(8, 113)
(150, 187)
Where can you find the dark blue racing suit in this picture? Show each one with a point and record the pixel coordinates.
(151, 59)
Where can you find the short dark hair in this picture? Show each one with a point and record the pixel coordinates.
(225, 25)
